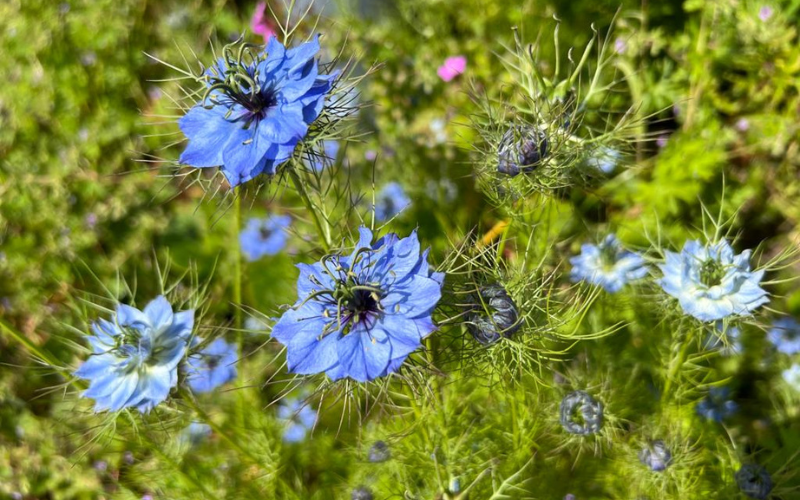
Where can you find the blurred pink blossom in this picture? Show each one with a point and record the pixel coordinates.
(260, 24)
(765, 13)
(452, 67)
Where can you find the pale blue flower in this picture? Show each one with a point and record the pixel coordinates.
(785, 335)
(792, 376)
(605, 159)
(135, 356)
(300, 419)
(361, 315)
(390, 201)
(211, 367)
(607, 265)
(717, 406)
(265, 236)
(710, 282)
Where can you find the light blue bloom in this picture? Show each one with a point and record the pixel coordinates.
(390, 201)
(792, 376)
(361, 315)
(716, 406)
(212, 367)
(608, 265)
(785, 335)
(135, 356)
(300, 418)
(194, 434)
(605, 159)
(266, 236)
(710, 282)
(330, 150)
(255, 112)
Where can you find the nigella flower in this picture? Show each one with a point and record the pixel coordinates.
(754, 481)
(135, 356)
(300, 419)
(361, 493)
(361, 315)
(213, 366)
(390, 201)
(452, 67)
(656, 456)
(330, 150)
(792, 376)
(495, 315)
(256, 108)
(717, 406)
(379, 452)
(521, 149)
(194, 434)
(608, 265)
(710, 282)
(264, 236)
(581, 414)
(605, 159)
(785, 335)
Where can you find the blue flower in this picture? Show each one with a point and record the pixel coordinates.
(330, 152)
(264, 236)
(135, 356)
(521, 149)
(300, 418)
(607, 265)
(361, 315)
(785, 335)
(211, 367)
(256, 108)
(710, 282)
(194, 434)
(716, 406)
(391, 200)
(605, 160)
(792, 376)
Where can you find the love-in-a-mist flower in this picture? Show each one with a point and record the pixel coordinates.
(710, 282)
(212, 366)
(754, 481)
(135, 356)
(656, 456)
(521, 149)
(300, 418)
(256, 107)
(265, 236)
(607, 265)
(580, 413)
(791, 376)
(452, 67)
(785, 335)
(605, 159)
(390, 201)
(494, 315)
(361, 315)
(717, 406)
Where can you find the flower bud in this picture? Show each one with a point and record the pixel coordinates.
(379, 452)
(495, 315)
(754, 481)
(656, 455)
(521, 149)
(361, 493)
(581, 414)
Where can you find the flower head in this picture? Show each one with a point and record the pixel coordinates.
(785, 335)
(495, 316)
(300, 419)
(379, 452)
(260, 23)
(211, 367)
(710, 282)
(765, 12)
(264, 236)
(361, 315)
(581, 414)
(391, 200)
(135, 356)
(256, 108)
(605, 159)
(716, 406)
(361, 493)
(608, 265)
(754, 481)
(452, 67)
(521, 149)
(656, 456)
(792, 376)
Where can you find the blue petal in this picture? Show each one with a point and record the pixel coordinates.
(159, 311)
(130, 316)
(361, 358)
(208, 132)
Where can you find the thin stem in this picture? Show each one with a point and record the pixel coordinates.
(322, 229)
(676, 366)
(237, 271)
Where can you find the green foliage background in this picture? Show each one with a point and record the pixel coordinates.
(79, 210)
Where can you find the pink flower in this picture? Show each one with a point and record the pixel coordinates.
(452, 67)
(765, 13)
(260, 24)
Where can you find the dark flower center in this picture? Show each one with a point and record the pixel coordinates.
(357, 303)
(264, 233)
(711, 273)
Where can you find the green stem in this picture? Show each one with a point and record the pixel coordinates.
(676, 366)
(237, 271)
(322, 229)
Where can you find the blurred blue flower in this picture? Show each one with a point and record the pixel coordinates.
(607, 265)
(194, 434)
(754, 481)
(716, 406)
(254, 113)
(522, 148)
(361, 315)
(605, 159)
(266, 236)
(656, 456)
(710, 282)
(390, 201)
(330, 150)
(135, 356)
(211, 367)
(300, 418)
(792, 376)
(785, 335)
